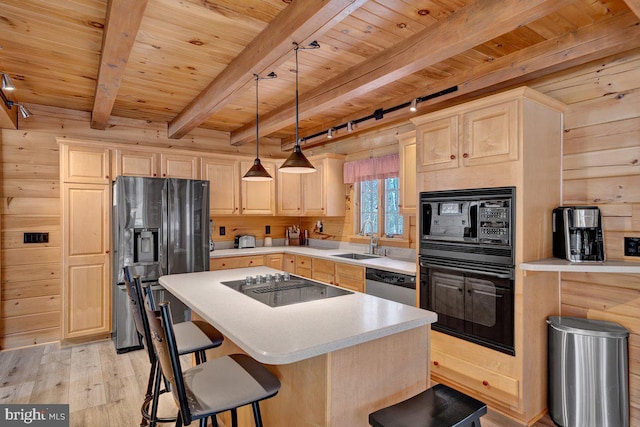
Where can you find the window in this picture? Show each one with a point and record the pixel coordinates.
(379, 205)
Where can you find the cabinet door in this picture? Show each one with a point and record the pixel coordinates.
(323, 270)
(314, 191)
(179, 166)
(408, 189)
(350, 276)
(86, 273)
(289, 194)
(85, 164)
(490, 134)
(274, 261)
(289, 263)
(136, 163)
(303, 266)
(236, 262)
(258, 197)
(437, 144)
(224, 185)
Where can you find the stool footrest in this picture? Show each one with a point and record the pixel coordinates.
(438, 406)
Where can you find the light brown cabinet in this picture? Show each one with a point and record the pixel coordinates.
(136, 163)
(236, 262)
(408, 189)
(224, 185)
(514, 139)
(274, 261)
(88, 164)
(350, 276)
(323, 191)
(303, 266)
(468, 136)
(289, 194)
(179, 166)
(323, 270)
(289, 263)
(258, 197)
(86, 273)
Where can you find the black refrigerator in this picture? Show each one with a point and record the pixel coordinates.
(160, 226)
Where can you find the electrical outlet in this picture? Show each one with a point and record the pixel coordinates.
(267, 229)
(36, 238)
(223, 231)
(632, 246)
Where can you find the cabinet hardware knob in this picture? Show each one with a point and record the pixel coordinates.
(435, 363)
(452, 157)
(250, 262)
(223, 264)
(107, 252)
(485, 383)
(155, 174)
(465, 155)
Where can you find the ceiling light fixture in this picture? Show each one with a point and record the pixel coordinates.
(330, 133)
(297, 162)
(257, 172)
(414, 105)
(7, 84)
(350, 127)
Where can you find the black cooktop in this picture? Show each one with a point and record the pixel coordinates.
(286, 292)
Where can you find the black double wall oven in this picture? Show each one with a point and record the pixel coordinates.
(467, 263)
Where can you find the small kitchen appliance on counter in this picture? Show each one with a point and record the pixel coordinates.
(577, 234)
(244, 241)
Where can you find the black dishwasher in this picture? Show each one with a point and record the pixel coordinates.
(393, 286)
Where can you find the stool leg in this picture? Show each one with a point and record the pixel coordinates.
(156, 396)
(214, 420)
(234, 418)
(256, 414)
(148, 394)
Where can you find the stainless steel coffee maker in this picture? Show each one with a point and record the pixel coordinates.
(577, 233)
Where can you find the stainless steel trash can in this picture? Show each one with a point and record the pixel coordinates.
(588, 373)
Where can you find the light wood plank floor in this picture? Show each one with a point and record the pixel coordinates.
(103, 388)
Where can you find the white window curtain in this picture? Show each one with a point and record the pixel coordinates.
(373, 168)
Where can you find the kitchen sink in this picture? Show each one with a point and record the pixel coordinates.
(356, 256)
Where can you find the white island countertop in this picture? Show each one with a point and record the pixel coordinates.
(287, 334)
(380, 262)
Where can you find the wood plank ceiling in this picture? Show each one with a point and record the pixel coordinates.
(190, 63)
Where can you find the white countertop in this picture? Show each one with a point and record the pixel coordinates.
(383, 263)
(561, 265)
(287, 334)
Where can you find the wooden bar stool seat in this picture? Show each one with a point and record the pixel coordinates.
(438, 406)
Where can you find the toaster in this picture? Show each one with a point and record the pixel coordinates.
(244, 241)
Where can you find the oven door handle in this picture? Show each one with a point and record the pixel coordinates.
(467, 270)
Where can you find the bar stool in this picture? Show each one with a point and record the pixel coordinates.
(438, 406)
(192, 337)
(222, 384)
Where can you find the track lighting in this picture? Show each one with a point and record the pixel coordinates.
(330, 133)
(7, 84)
(297, 162)
(24, 111)
(257, 172)
(350, 127)
(414, 105)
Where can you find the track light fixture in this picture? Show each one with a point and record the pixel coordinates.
(257, 172)
(414, 105)
(330, 133)
(350, 127)
(7, 83)
(297, 162)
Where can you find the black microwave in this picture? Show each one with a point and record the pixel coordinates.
(475, 224)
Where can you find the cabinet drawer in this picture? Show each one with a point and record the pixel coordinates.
(236, 262)
(304, 272)
(323, 266)
(322, 277)
(303, 262)
(488, 383)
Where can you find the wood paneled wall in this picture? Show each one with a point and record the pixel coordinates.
(601, 167)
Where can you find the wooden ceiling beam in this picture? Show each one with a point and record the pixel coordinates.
(300, 21)
(569, 50)
(634, 5)
(122, 24)
(470, 26)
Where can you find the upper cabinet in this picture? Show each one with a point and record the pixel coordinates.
(224, 185)
(289, 194)
(323, 191)
(89, 164)
(179, 166)
(408, 189)
(437, 140)
(258, 197)
(136, 163)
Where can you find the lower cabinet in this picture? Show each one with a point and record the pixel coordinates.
(289, 263)
(274, 261)
(236, 262)
(323, 270)
(350, 276)
(303, 266)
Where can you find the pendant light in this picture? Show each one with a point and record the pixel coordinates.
(297, 162)
(257, 172)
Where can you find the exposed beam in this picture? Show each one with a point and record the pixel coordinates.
(122, 24)
(8, 116)
(587, 44)
(634, 5)
(300, 21)
(474, 24)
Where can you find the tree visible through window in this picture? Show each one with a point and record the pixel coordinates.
(379, 202)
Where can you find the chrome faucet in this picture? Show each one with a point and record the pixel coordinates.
(372, 243)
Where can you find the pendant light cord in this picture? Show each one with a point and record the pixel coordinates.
(257, 77)
(297, 108)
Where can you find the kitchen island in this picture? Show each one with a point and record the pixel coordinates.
(338, 358)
